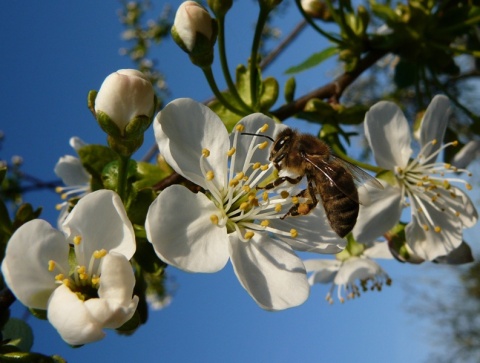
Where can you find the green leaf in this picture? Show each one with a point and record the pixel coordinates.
(19, 333)
(269, 93)
(313, 61)
(150, 174)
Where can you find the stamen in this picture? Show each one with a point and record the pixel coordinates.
(263, 145)
(205, 153)
(231, 151)
(249, 235)
(437, 229)
(210, 175)
(278, 207)
(214, 219)
(51, 265)
(293, 233)
(265, 223)
(77, 240)
(263, 128)
(240, 128)
(284, 194)
(256, 165)
(98, 254)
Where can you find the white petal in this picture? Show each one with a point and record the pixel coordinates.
(182, 130)
(324, 271)
(179, 226)
(462, 204)
(25, 266)
(388, 134)
(378, 250)
(429, 245)
(314, 233)
(357, 269)
(71, 171)
(270, 272)
(382, 214)
(77, 143)
(68, 314)
(434, 123)
(252, 123)
(467, 154)
(117, 279)
(101, 220)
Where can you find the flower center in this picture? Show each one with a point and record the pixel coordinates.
(429, 183)
(81, 279)
(244, 207)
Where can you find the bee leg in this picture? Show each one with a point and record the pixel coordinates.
(304, 208)
(280, 181)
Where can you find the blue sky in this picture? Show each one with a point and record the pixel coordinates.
(52, 56)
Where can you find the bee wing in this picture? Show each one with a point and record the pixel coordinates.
(360, 178)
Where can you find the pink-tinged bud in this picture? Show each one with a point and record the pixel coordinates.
(124, 96)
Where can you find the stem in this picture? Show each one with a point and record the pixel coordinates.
(315, 26)
(224, 62)
(122, 177)
(213, 85)
(262, 19)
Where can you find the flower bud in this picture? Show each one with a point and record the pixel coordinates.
(315, 8)
(195, 32)
(125, 97)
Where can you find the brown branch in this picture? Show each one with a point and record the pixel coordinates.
(331, 91)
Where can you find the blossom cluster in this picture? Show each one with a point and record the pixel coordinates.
(82, 273)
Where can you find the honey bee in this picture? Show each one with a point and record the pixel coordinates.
(333, 178)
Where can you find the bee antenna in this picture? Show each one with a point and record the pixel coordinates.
(260, 135)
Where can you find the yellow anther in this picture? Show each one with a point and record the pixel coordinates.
(256, 165)
(210, 175)
(265, 223)
(58, 207)
(81, 269)
(83, 276)
(420, 210)
(205, 153)
(244, 206)
(59, 277)
(231, 151)
(434, 141)
(246, 188)
(51, 265)
(66, 282)
(264, 167)
(233, 183)
(58, 190)
(77, 240)
(95, 280)
(264, 128)
(239, 175)
(214, 219)
(468, 186)
(249, 235)
(455, 143)
(457, 214)
(265, 196)
(447, 165)
(293, 233)
(284, 194)
(446, 184)
(419, 183)
(263, 145)
(434, 198)
(278, 207)
(80, 296)
(64, 196)
(425, 227)
(100, 253)
(295, 200)
(240, 128)
(437, 229)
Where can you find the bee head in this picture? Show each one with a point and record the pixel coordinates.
(281, 146)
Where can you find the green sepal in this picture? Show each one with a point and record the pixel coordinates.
(92, 95)
(108, 125)
(388, 176)
(136, 127)
(19, 334)
(398, 246)
(219, 7)
(25, 213)
(289, 89)
(38, 313)
(131, 325)
(150, 174)
(94, 158)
